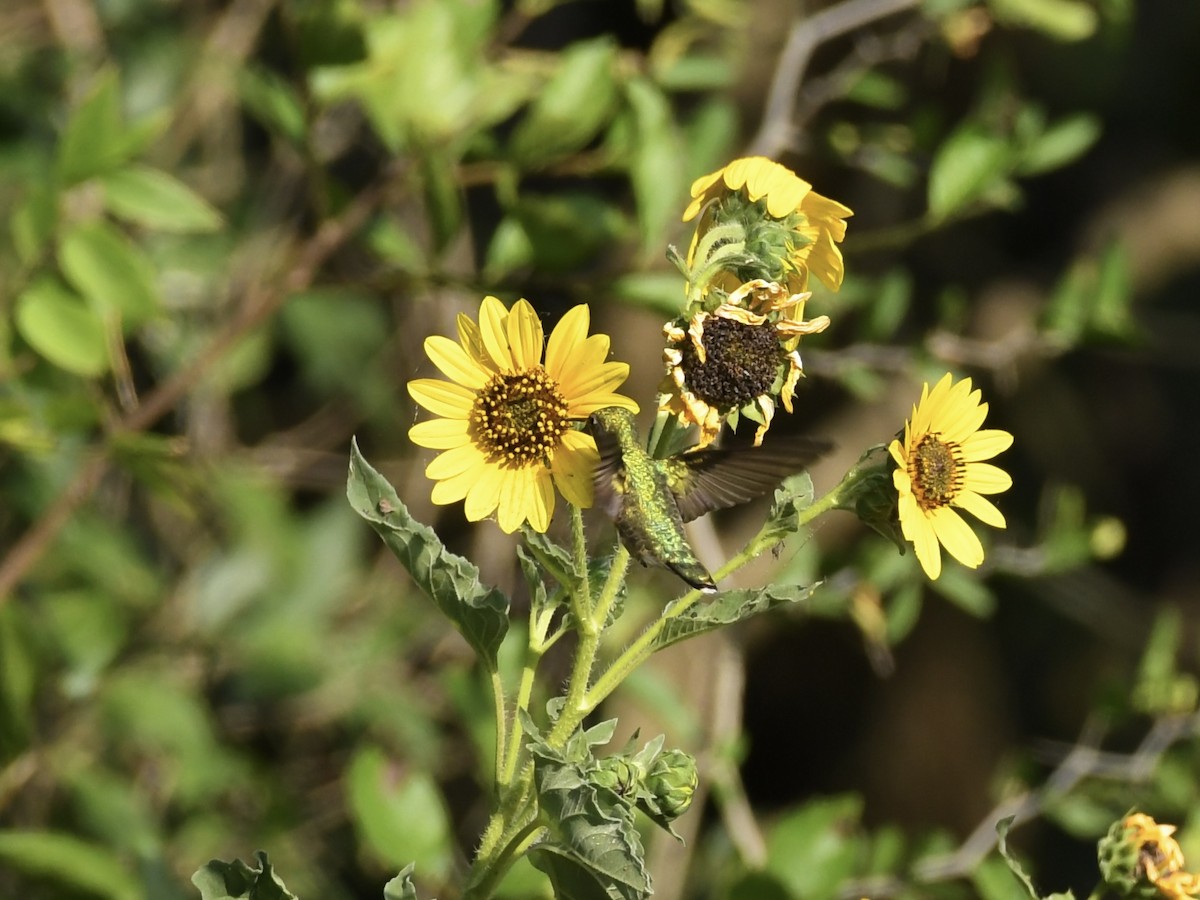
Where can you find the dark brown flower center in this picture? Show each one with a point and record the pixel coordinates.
(518, 419)
(741, 363)
(936, 469)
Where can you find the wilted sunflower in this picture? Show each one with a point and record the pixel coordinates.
(506, 425)
(736, 359)
(941, 468)
(1139, 857)
(798, 236)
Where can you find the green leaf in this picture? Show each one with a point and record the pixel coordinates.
(572, 107)
(399, 814)
(68, 861)
(1062, 20)
(964, 590)
(655, 172)
(443, 197)
(659, 292)
(92, 141)
(219, 880)
(154, 199)
(1060, 144)
(791, 498)
(272, 100)
(1014, 866)
(726, 608)
(971, 162)
(594, 850)
(34, 220)
(814, 849)
(62, 327)
(108, 269)
(479, 613)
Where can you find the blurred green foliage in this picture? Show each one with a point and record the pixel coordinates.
(227, 227)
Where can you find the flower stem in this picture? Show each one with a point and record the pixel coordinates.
(641, 649)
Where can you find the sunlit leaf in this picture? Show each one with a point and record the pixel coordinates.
(62, 327)
(398, 811)
(969, 163)
(154, 199)
(571, 108)
(110, 270)
(70, 862)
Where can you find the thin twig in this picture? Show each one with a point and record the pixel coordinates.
(775, 132)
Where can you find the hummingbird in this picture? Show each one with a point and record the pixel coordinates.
(650, 499)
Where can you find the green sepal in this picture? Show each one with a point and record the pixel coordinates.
(728, 607)
(401, 887)
(218, 880)
(480, 613)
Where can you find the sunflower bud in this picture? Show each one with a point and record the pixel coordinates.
(672, 782)
(617, 774)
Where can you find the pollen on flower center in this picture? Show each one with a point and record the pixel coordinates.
(741, 362)
(518, 418)
(936, 470)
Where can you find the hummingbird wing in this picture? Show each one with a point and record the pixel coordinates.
(717, 478)
(609, 478)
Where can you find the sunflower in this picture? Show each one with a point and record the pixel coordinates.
(736, 359)
(797, 237)
(506, 427)
(941, 467)
(1139, 852)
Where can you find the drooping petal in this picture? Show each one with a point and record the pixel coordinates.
(957, 537)
(541, 501)
(516, 499)
(573, 466)
(484, 494)
(924, 538)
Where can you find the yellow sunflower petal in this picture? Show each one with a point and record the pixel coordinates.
(493, 330)
(572, 467)
(957, 537)
(897, 452)
(984, 478)
(985, 444)
(594, 389)
(453, 462)
(442, 398)
(440, 434)
(455, 363)
(541, 509)
(451, 490)
(525, 336)
(568, 334)
(484, 493)
(918, 529)
(981, 508)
